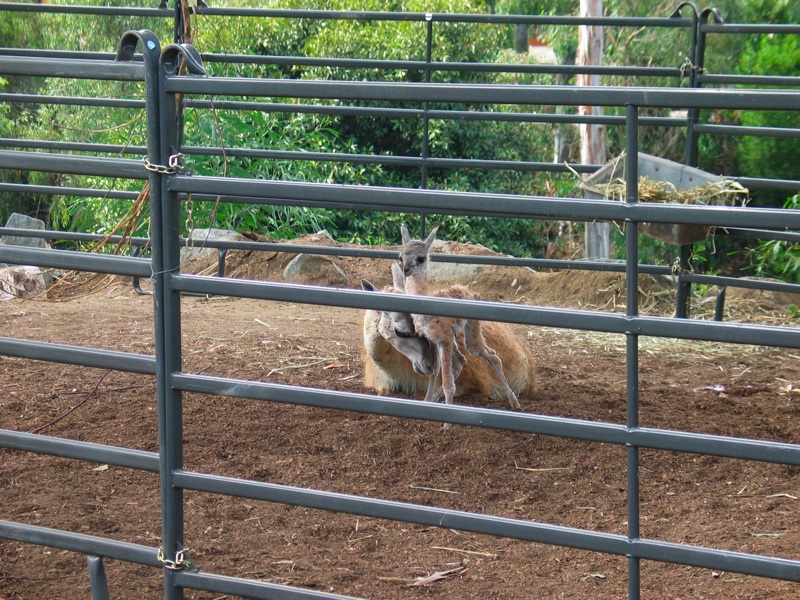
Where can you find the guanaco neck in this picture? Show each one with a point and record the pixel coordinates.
(416, 284)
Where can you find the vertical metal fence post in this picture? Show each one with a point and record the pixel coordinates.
(97, 578)
(425, 150)
(168, 333)
(690, 156)
(695, 67)
(632, 340)
(151, 51)
(690, 66)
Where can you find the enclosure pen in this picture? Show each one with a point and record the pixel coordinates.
(175, 80)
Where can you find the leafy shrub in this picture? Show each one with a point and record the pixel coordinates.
(776, 258)
(771, 157)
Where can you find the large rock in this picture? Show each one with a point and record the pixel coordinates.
(445, 271)
(21, 278)
(198, 238)
(316, 270)
(18, 221)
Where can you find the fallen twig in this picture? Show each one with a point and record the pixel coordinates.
(460, 551)
(436, 577)
(74, 408)
(516, 466)
(303, 366)
(432, 489)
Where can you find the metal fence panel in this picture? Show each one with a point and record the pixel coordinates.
(169, 187)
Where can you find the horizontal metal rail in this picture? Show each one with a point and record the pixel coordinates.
(79, 542)
(405, 161)
(78, 165)
(531, 423)
(786, 337)
(78, 261)
(433, 114)
(775, 132)
(487, 94)
(789, 185)
(129, 103)
(532, 531)
(366, 15)
(490, 205)
(73, 146)
(117, 11)
(751, 284)
(756, 28)
(48, 53)
(78, 355)
(250, 588)
(761, 80)
(79, 450)
(50, 234)
(605, 266)
(434, 66)
(72, 68)
(57, 190)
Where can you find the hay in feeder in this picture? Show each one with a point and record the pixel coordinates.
(724, 192)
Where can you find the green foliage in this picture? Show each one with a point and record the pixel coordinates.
(278, 132)
(518, 237)
(401, 137)
(776, 258)
(769, 157)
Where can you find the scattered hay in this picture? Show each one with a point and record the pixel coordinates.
(614, 344)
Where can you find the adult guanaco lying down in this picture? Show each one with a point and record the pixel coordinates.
(398, 360)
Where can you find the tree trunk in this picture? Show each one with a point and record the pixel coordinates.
(521, 40)
(593, 142)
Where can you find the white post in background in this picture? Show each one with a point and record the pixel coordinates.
(597, 236)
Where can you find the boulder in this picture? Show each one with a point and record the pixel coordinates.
(18, 221)
(442, 271)
(316, 270)
(198, 238)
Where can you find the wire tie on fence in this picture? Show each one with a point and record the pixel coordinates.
(688, 65)
(179, 564)
(175, 165)
(189, 222)
(677, 269)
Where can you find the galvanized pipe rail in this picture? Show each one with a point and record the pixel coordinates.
(676, 20)
(632, 325)
(162, 84)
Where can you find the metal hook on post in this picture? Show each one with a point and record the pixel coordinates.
(130, 40)
(676, 14)
(173, 54)
(715, 15)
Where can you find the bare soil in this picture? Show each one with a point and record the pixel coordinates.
(721, 389)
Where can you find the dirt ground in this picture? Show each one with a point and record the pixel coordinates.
(721, 389)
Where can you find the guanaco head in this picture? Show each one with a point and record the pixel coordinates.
(414, 253)
(397, 328)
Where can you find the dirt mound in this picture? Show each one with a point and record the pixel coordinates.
(568, 288)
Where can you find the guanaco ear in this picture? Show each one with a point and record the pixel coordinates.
(367, 286)
(404, 235)
(397, 278)
(430, 238)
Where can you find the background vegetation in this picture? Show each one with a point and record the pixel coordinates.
(290, 130)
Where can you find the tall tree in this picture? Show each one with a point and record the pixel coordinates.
(593, 143)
